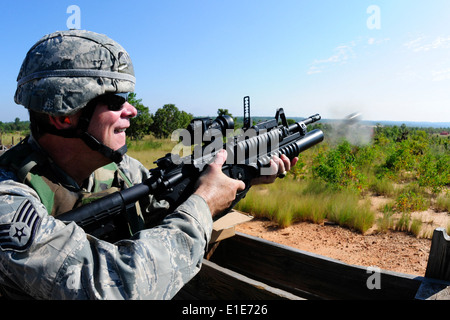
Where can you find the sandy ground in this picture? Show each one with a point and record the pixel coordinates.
(395, 251)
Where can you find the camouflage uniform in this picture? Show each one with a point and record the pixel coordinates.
(43, 258)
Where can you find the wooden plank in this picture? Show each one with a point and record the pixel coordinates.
(217, 283)
(308, 275)
(438, 266)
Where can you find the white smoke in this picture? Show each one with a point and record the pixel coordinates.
(352, 129)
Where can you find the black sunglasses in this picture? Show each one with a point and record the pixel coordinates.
(114, 101)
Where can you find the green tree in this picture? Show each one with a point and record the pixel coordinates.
(139, 125)
(224, 112)
(167, 119)
(17, 124)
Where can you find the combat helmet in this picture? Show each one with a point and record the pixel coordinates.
(66, 70)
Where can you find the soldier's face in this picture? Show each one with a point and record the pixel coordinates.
(109, 126)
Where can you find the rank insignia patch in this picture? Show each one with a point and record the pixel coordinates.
(18, 235)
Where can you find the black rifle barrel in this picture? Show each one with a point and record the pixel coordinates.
(312, 119)
(301, 125)
(97, 211)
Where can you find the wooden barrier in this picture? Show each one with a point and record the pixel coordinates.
(309, 275)
(246, 267)
(438, 266)
(217, 283)
(436, 285)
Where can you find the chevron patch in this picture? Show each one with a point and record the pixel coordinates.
(19, 234)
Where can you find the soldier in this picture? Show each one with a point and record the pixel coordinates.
(74, 84)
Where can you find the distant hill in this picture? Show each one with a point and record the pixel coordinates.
(367, 122)
(412, 124)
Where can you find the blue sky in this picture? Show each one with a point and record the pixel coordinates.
(389, 60)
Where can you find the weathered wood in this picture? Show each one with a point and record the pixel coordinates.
(436, 285)
(438, 266)
(309, 275)
(217, 283)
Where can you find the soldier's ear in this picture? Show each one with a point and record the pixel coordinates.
(63, 122)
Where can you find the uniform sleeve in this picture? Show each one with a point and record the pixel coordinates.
(50, 260)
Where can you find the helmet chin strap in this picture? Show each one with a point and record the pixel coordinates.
(114, 155)
(94, 144)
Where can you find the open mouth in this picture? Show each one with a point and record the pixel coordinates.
(120, 130)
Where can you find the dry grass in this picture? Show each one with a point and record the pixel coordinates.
(291, 201)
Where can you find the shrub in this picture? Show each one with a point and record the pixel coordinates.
(298, 171)
(338, 168)
(433, 171)
(409, 201)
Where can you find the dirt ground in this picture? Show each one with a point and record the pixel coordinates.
(394, 251)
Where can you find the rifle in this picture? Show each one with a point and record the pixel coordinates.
(174, 178)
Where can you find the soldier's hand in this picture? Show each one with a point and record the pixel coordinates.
(279, 166)
(216, 188)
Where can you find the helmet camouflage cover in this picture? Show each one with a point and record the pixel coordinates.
(64, 70)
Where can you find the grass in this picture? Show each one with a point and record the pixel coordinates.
(443, 202)
(383, 187)
(292, 201)
(405, 224)
(8, 139)
(289, 201)
(149, 149)
(386, 222)
(346, 211)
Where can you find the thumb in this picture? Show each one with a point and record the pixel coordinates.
(221, 157)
